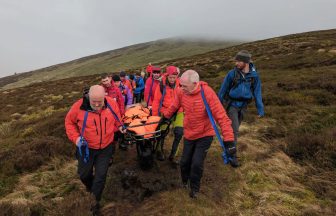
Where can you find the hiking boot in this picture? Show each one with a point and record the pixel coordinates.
(110, 162)
(88, 189)
(193, 194)
(174, 163)
(234, 162)
(95, 209)
(184, 185)
(123, 147)
(160, 156)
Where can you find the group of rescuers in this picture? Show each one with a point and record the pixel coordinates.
(182, 103)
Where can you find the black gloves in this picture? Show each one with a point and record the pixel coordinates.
(230, 147)
(163, 120)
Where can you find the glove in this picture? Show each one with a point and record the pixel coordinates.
(163, 120)
(230, 147)
(83, 148)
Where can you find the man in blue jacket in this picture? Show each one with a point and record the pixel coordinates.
(240, 86)
(140, 85)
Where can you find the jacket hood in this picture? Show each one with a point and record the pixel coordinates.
(166, 83)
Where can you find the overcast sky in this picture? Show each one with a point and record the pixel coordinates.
(40, 33)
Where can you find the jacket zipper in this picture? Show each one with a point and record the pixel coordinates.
(96, 126)
(101, 130)
(105, 124)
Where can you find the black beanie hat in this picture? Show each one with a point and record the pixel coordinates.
(115, 78)
(243, 56)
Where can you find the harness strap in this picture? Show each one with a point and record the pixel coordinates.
(150, 91)
(162, 98)
(226, 157)
(115, 115)
(83, 141)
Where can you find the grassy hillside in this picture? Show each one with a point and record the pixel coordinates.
(131, 57)
(288, 158)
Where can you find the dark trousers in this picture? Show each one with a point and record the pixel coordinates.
(178, 134)
(99, 162)
(236, 115)
(142, 96)
(192, 160)
(137, 98)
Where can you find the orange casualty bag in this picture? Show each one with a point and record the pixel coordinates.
(139, 121)
(136, 112)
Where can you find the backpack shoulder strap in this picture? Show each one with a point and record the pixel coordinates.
(163, 92)
(84, 123)
(150, 91)
(225, 153)
(114, 114)
(83, 142)
(235, 80)
(161, 86)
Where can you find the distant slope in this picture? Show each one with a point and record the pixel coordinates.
(131, 57)
(304, 50)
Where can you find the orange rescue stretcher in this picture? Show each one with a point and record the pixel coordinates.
(144, 131)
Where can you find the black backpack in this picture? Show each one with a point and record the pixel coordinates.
(234, 84)
(236, 78)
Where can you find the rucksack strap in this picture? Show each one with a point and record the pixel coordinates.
(150, 92)
(124, 93)
(84, 123)
(225, 155)
(115, 115)
(163, 91)
(83, 141)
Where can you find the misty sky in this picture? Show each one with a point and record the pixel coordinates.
(40, 33)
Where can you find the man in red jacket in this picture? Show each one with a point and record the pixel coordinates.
(198, 131)
(149, 69)
(113, 91)
(165, 95)
(94, 142)
(151, 83)
(125, 81)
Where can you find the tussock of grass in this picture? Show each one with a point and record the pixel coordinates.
(53, 97)
(5, 129)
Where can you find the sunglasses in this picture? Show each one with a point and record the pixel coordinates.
(156, 72)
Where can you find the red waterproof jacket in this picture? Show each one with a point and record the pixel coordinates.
(170, 95)
(150, 91)
(128, 84)
(196, 122)
(149, 69)
(115, 93)
(99, 131)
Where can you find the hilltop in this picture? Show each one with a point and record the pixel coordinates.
(131, 57)
(288, 158)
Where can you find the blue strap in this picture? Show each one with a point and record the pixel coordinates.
(83, 141)
(150, 92)
(225, 154)
(162, 98)
(115, 115)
